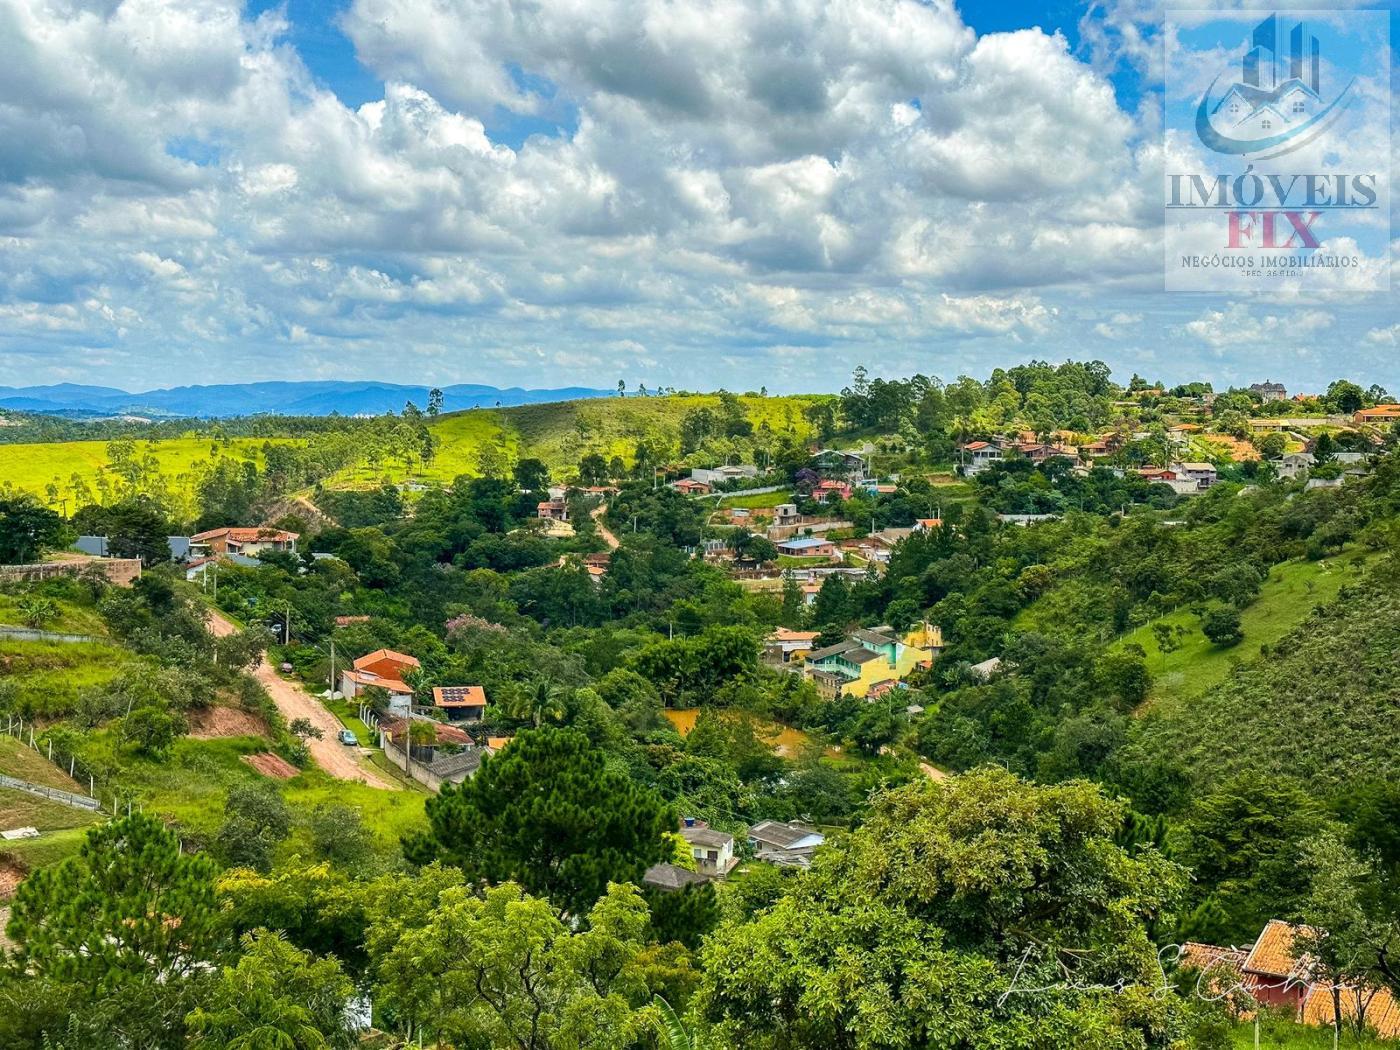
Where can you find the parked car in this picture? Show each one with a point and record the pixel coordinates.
(348, 738)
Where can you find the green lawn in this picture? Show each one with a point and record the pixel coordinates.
(61, 828)
(757, 501)
(46, 849)
(20, 809)
(1291, 592)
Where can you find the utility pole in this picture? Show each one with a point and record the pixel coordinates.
(287, 625)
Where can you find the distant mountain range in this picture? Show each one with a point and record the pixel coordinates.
(310, 398)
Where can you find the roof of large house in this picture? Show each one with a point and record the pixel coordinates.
(1379, 1009)
(247, 535)
(459, 696)
(443, 732)
(806, 543)
(861, 655)
(873, 636)
(782, 834)
(1198, 466)
(387, 656)
(697, 836)
(842, 646)
(974, 446)
(1272, 954)
(671, 877)
(786, 634)
(1209, 957)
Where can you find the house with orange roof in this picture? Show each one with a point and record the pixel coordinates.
(785, 645)
(1379, 414)
(553, 509)
(978, 456)
(249, 542)
(381, 669)
(460, 703)
(1274, 973)
(830, 488)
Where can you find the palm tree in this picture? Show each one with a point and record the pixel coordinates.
(540, 700)
(672, 1032)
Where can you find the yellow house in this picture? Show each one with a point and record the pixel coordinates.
(871, 657)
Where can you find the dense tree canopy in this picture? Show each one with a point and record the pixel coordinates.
(550, 814)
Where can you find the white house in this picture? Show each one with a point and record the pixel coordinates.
(736, 472)
(1293, 463)
(713, 850)
(978, 456)
(1202, 473)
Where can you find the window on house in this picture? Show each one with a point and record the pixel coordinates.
(1266, 124)
(1300, 107)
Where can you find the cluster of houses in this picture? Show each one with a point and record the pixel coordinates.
(238, 545)
(447, 747)
(1274, 973)
(715, 854)
(866, 664)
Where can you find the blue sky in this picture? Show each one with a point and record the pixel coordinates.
(727, 192)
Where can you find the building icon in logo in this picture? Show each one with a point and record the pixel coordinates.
(1277, 100)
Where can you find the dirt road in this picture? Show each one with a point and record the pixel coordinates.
(597, 515)
(294, 702)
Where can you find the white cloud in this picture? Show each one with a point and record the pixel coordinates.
(1384, 336)
(1236, 325)
(735, 184)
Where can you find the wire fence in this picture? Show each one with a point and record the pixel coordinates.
(52, 793)
(33, 634)
(100, 793)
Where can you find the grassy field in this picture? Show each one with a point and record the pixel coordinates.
(33, 467)
(759, 501)
(1285, 599)
(560, 434)
(460, 436)
(1279, 1035)
(191, 783)
(72, 618)
(61, 828)
(21, 761)
(49, 676)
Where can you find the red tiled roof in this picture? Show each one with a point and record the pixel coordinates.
(443, 733)
(385, 668)
(1376, 1006)
(1272, 954)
